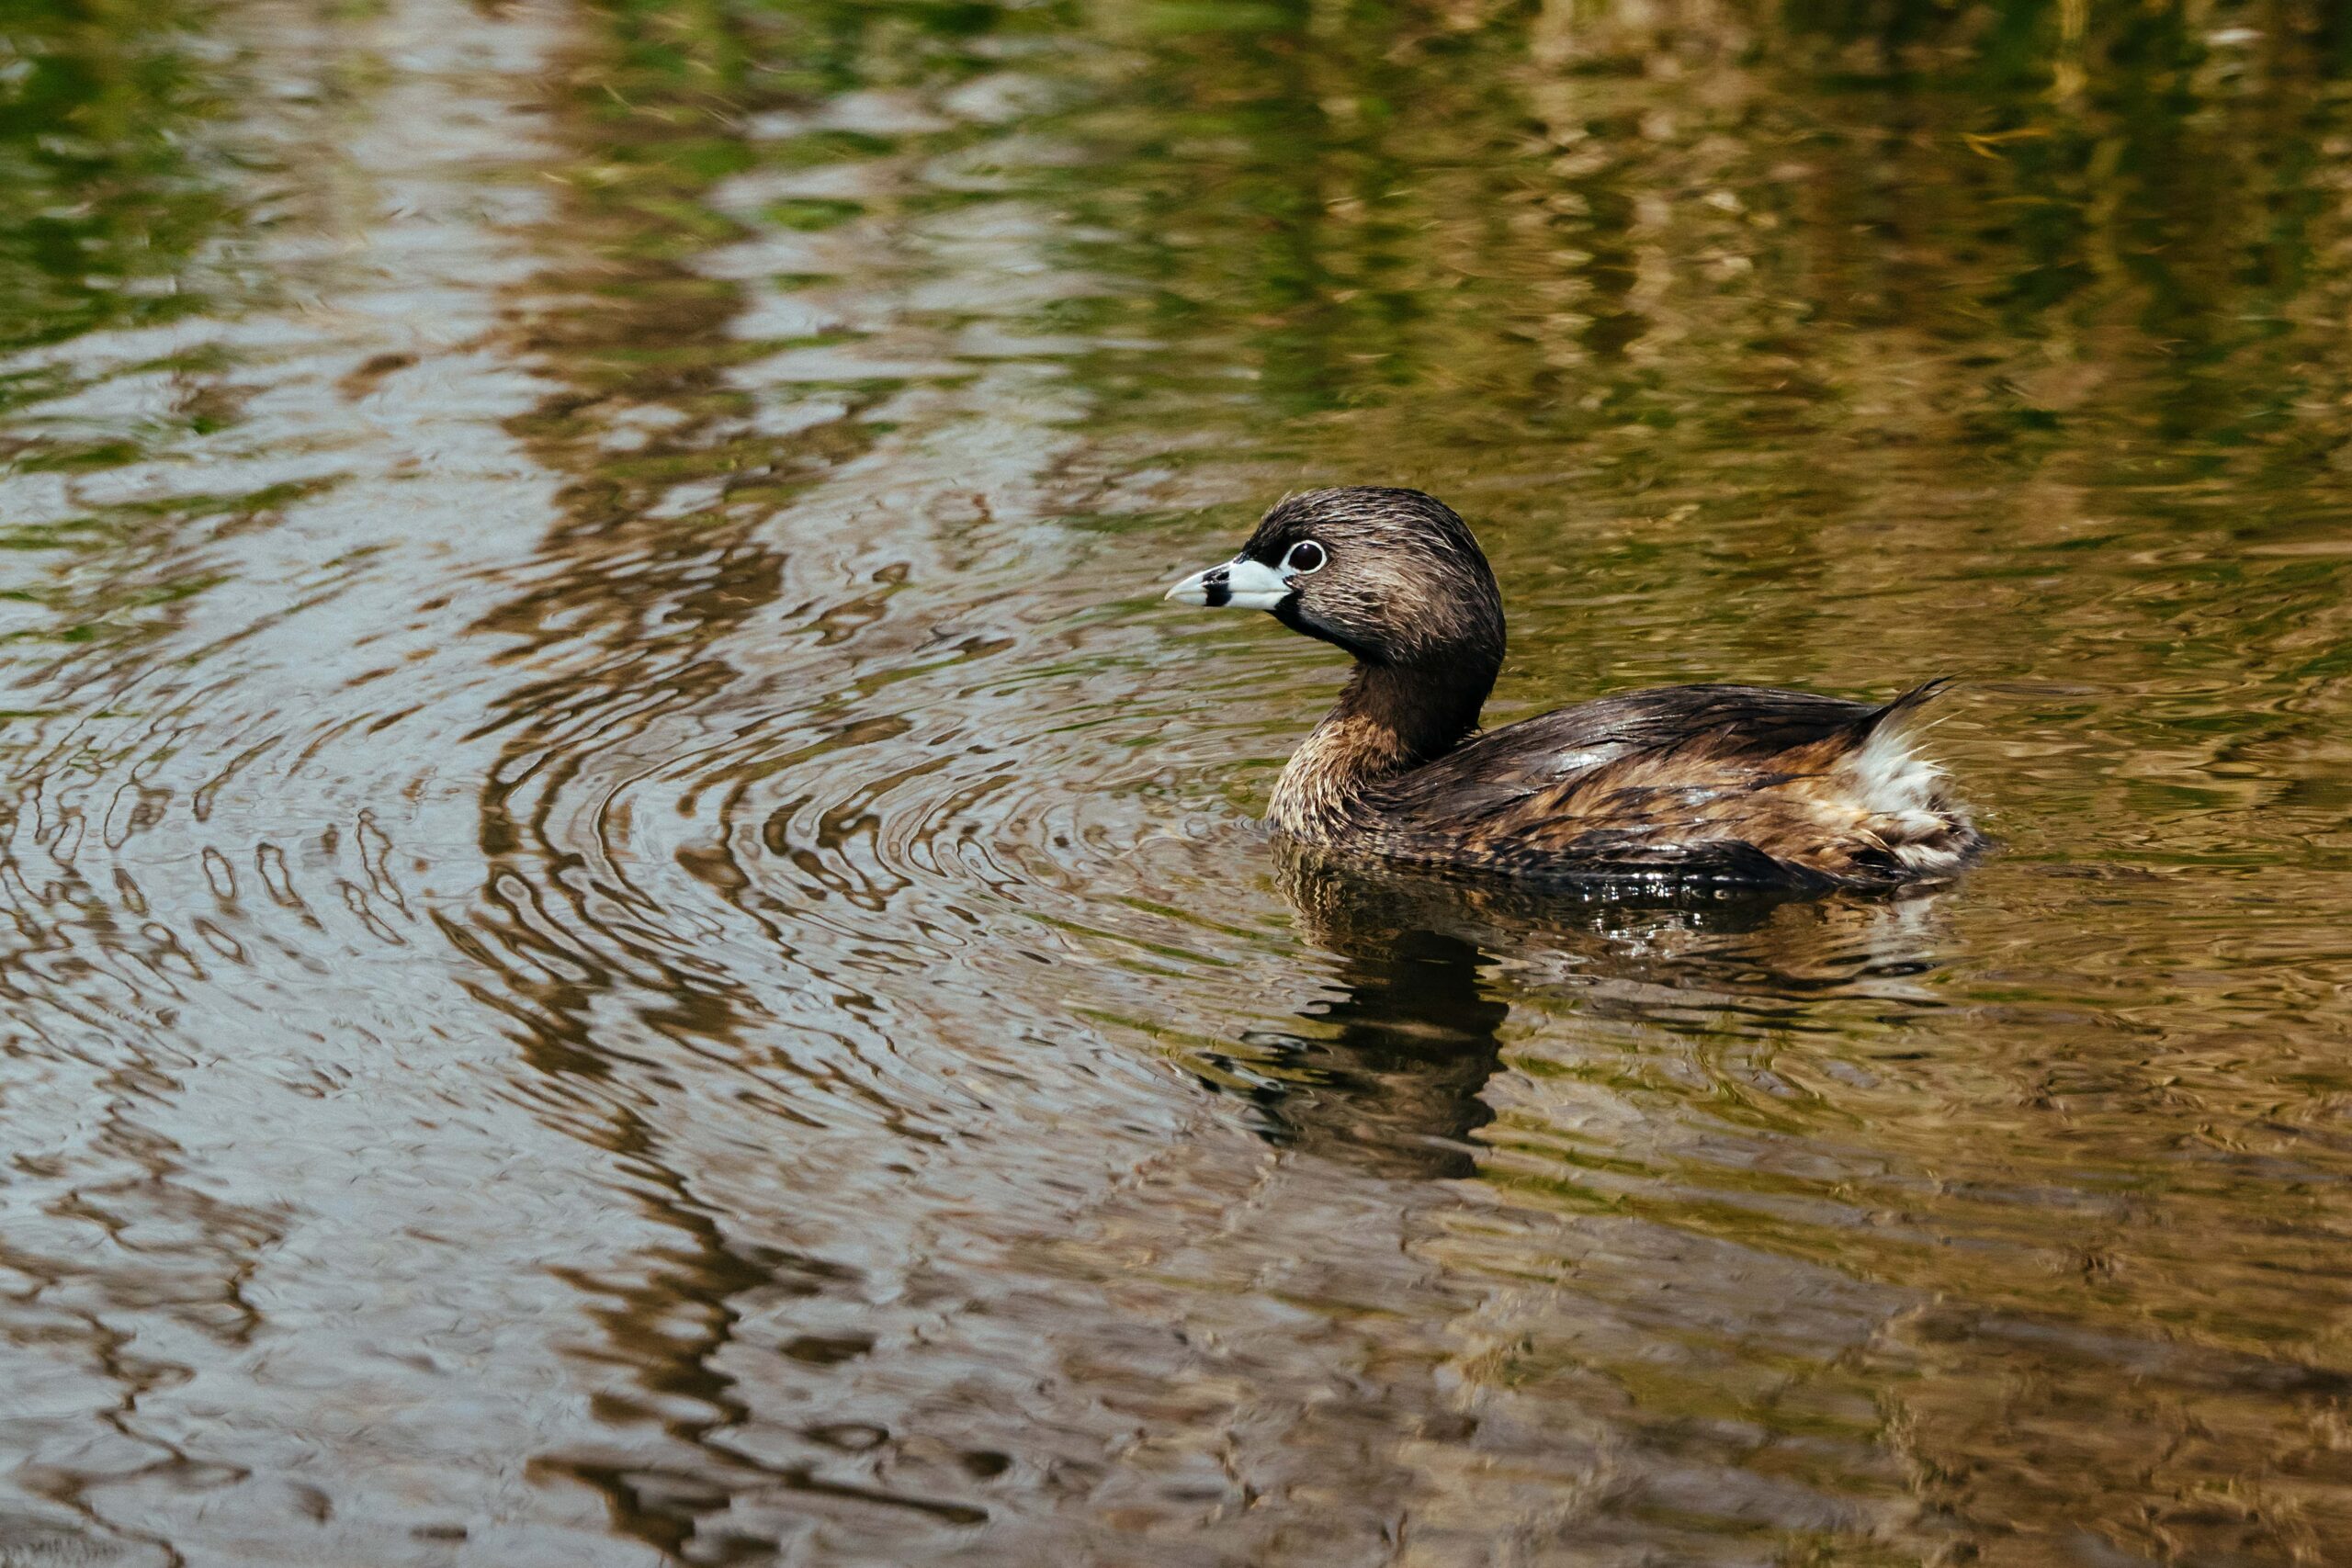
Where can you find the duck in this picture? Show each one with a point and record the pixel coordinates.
(1709, 785)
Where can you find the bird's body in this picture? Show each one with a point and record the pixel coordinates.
(1706, 783)
(1698, 784)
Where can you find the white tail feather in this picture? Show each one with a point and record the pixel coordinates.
(1903, 792)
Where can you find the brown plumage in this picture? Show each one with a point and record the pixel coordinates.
(1706, 783)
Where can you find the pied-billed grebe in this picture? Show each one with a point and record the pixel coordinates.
(1685, 784)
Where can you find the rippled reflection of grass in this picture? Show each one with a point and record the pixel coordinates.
(105, 197)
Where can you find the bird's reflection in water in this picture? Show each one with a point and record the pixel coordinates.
(1392, 1073)
(1388, 1075)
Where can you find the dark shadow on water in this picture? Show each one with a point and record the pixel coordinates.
(1388, 1075)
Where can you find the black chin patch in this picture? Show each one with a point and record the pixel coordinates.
(1290, 615)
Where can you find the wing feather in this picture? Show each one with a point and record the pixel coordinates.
(1718, 783)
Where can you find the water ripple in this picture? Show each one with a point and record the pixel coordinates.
(629, 937)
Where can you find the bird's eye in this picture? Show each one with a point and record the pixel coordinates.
(1304, 557)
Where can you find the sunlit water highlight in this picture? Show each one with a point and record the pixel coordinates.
(632, 938)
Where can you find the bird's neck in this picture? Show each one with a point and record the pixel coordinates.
(1391, 719)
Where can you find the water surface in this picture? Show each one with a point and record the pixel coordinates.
(633, 939)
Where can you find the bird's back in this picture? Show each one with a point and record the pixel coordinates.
(1710, 782)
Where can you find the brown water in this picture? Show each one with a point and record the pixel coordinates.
(633, 939)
